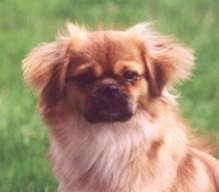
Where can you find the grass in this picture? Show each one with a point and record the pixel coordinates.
(24, 23)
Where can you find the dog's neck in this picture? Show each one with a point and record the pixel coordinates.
(107, 157)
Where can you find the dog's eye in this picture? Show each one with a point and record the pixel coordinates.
(83, 79)
(130, 76)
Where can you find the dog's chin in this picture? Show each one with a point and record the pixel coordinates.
(108, 117)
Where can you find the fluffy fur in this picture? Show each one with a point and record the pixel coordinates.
(151, 151)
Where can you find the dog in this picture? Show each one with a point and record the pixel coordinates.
(113, 121)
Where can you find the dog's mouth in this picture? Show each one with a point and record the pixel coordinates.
(105, 116)
(105, 111)
(107, 102)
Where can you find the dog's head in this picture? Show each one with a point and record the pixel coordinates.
(106, 75)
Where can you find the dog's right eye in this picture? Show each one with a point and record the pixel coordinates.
(130, 76)
(83, 79)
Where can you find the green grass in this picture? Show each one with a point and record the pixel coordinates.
(24, 23)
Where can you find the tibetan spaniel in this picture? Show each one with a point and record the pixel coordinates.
(113, 124)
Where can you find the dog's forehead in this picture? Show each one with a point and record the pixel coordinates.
(107, 49)
(113, 45)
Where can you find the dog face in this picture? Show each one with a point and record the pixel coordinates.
(106, 76)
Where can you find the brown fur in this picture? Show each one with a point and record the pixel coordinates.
(151, 151)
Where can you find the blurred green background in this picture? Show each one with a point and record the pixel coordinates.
(25, 23)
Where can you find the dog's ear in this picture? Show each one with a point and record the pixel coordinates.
(44, 63)
(166, 60)
(49, 61)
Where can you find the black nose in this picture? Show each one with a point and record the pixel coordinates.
(109, 90)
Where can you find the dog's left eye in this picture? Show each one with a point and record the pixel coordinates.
(130, 76)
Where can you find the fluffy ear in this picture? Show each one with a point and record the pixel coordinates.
(44, 63)
(166, 60)
(49, 61)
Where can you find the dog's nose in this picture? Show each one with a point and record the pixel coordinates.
(106, 89)
(109, 91)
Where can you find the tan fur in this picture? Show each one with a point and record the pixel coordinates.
(148, 153)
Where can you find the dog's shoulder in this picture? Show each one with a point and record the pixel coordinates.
(198, 172)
